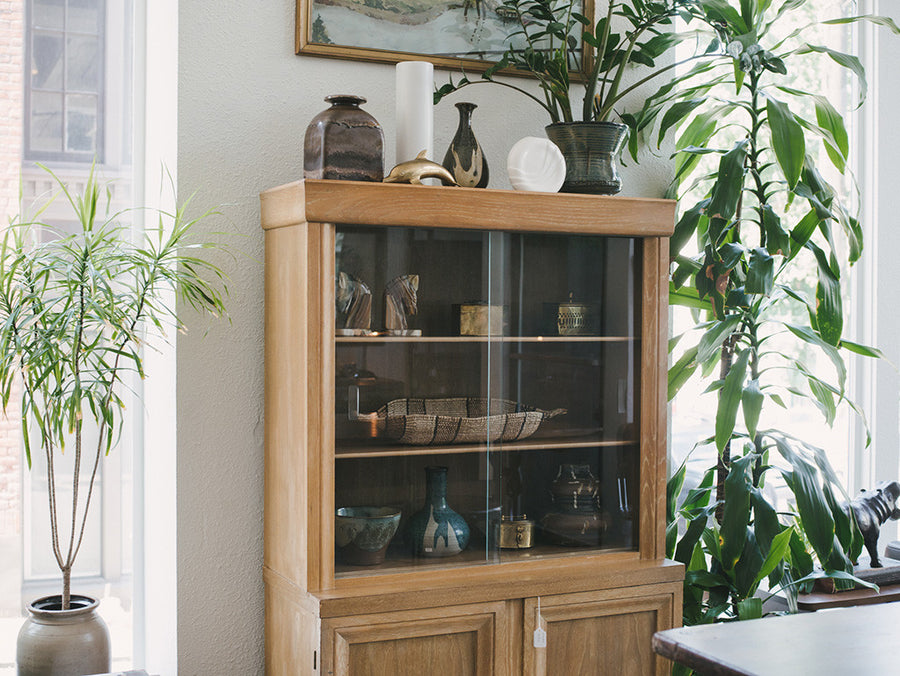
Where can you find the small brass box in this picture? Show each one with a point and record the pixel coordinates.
(480, 319)
(515, 532)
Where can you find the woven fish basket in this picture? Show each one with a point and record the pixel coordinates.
(459, 420)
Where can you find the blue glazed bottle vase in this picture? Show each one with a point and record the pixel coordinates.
(436, 530)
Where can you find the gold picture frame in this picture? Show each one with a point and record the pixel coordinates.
(461, 34)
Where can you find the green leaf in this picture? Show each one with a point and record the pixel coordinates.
(863, 350)
(730, 399)
(675, 114)
(829, 310)
(711, 342)
(777, 552)
(830, 351)
(729, 183)
(750, 609)
(673, 489)
(693, 532)
(803, 231)
(736, 515)
(829, 119)
(688, 297)
(812, 505)
(721, 10)
(788, 140)
(751, 402)
(686, 227)
(681, 372)
(761, 272)
(778, 241)
(847, 61)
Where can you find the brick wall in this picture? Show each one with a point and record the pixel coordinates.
(12, 59)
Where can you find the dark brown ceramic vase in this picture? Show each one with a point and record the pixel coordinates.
(344, 142)
(575, 519)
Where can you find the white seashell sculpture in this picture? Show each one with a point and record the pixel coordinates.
(536, 164)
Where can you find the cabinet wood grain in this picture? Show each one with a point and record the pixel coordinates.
(474, 613)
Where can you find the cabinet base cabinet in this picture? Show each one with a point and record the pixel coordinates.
(459, 640)
(599, 632)
(588, 633)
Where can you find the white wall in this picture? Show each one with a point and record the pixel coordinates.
(245, 100)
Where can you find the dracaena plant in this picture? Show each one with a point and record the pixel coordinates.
(547, 44)
(75, 311)
(765, 211)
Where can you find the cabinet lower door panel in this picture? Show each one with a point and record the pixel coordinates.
(595, 637)
(463, 640)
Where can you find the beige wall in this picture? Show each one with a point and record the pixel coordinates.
(245, 100)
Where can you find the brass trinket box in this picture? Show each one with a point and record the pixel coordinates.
(572, 319)
(480, 319)
(515, 532)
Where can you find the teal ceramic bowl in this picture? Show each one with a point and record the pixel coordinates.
(362, 534)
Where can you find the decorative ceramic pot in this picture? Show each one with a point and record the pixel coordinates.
(464, 158)
(362, 534)
(591, 151)
(54, 642)
(436, 530)
(576, 518)
(344, 142)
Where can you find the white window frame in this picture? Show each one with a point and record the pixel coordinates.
(155, 160)
(876, 385)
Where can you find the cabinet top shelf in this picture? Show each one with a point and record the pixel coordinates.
(392, 204)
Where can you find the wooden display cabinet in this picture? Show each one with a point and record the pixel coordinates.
(568, 295)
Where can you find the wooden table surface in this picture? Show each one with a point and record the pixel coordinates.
(839, 642)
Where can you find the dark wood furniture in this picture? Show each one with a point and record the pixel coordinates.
(840, 642)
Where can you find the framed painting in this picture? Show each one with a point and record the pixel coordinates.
(469, 34)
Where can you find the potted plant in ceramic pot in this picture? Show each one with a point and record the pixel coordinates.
(548, 44)
(74, 313)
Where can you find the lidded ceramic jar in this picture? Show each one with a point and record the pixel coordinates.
(344, 142)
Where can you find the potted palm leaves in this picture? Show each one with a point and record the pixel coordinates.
(75, 311)
(555, 43)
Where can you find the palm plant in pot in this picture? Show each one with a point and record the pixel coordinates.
(75, 310)
(773, 239)
(558, 45)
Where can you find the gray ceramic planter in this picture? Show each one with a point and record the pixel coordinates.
(55, 642)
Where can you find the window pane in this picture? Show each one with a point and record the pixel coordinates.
(82, 64)
(46, 122)
(81, 123)
(84, 16)
(47, 61)
(43, 563)
(48, 14)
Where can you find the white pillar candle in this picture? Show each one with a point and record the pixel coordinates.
(415, 110)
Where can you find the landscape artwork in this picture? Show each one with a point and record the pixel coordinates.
(439, 29)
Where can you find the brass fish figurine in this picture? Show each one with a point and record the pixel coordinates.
(413, 171)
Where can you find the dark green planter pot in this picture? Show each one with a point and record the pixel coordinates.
(591, 150)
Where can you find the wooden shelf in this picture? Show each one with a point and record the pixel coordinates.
(530, 444)
(398, 562)
(484, 339)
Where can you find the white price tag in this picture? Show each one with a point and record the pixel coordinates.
(540, 638)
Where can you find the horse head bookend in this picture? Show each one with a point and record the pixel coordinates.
(400, 301)
(353, 301)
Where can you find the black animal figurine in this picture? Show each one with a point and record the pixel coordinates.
(873, 508)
